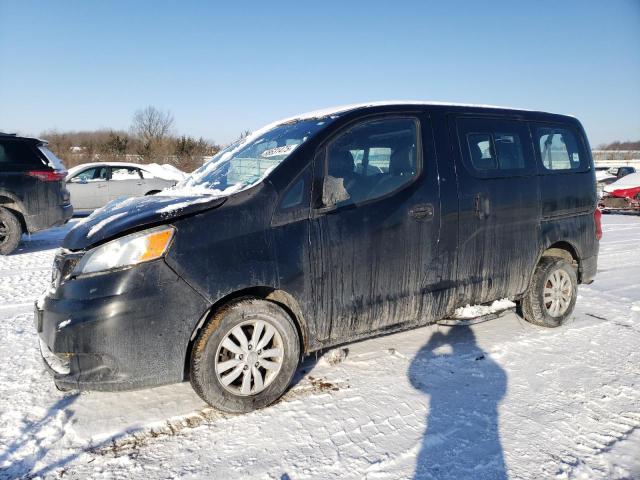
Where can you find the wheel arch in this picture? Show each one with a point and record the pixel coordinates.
(562, 249)
(10, 201)
(271, 294)
(14, 205)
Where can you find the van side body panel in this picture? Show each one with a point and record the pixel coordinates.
(227, 249)
(531, 213)
(568, 201)
(370, 268)
(473, 260)
(499, 212)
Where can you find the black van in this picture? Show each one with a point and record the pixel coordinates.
(33, 193)
(316, 231)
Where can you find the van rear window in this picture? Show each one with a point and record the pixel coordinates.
(558, 148)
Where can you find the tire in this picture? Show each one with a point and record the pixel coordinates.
(10, 231)
(560, 279)
(211, 354)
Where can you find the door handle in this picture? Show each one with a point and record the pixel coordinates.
(422, 211)
(101, 186)
(481, 206)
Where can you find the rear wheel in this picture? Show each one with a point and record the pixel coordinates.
(245, 357)
(10, 231)
(551, 296)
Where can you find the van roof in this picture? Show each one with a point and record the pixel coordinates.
(326, 112)
(339, 110)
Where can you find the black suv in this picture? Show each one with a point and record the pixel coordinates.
(33, 195)
(316, 231)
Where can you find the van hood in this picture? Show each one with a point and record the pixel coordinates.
(126, 215)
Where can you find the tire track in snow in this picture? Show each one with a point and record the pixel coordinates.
(586, 428)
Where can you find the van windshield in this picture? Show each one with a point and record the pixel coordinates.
(247, 161)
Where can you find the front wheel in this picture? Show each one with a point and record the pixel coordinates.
(245, 357)
(551, 297)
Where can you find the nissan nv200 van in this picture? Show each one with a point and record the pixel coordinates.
(320, 230)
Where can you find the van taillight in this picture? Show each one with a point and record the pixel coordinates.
(48, 175)
(597, 216)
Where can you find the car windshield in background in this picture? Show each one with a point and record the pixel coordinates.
(249, 160)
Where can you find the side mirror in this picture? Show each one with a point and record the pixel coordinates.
(77, 180)
(333, 191)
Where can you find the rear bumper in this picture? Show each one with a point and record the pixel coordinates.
(588, 268)
(52, 217)
(121, 330)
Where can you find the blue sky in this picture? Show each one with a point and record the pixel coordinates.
(225, 67)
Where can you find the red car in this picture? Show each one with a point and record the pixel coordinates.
(625, 197)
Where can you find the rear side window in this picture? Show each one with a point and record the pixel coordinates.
(481, 151)
(15, 153)
(492, 147)
(125, 173)
(558, 148)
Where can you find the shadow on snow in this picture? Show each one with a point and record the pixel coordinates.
(464, 387)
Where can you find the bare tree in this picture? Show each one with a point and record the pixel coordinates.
(150, 124)
(150, 139)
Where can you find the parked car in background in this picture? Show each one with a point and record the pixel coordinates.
(608, 175)
(623, 171)
(603, 178)
(622, 195)
(93, 185)
(33, 195)
(319, 230)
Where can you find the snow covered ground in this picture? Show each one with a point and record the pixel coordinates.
(497, 399)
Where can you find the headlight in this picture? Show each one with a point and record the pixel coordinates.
(129, 250)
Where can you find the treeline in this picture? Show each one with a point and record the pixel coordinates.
(150, 140)
(621, 146)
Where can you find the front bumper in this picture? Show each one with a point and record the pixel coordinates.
(120, 330)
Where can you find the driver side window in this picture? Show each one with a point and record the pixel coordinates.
(371, 160)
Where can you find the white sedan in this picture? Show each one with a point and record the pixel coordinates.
(93, 185)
